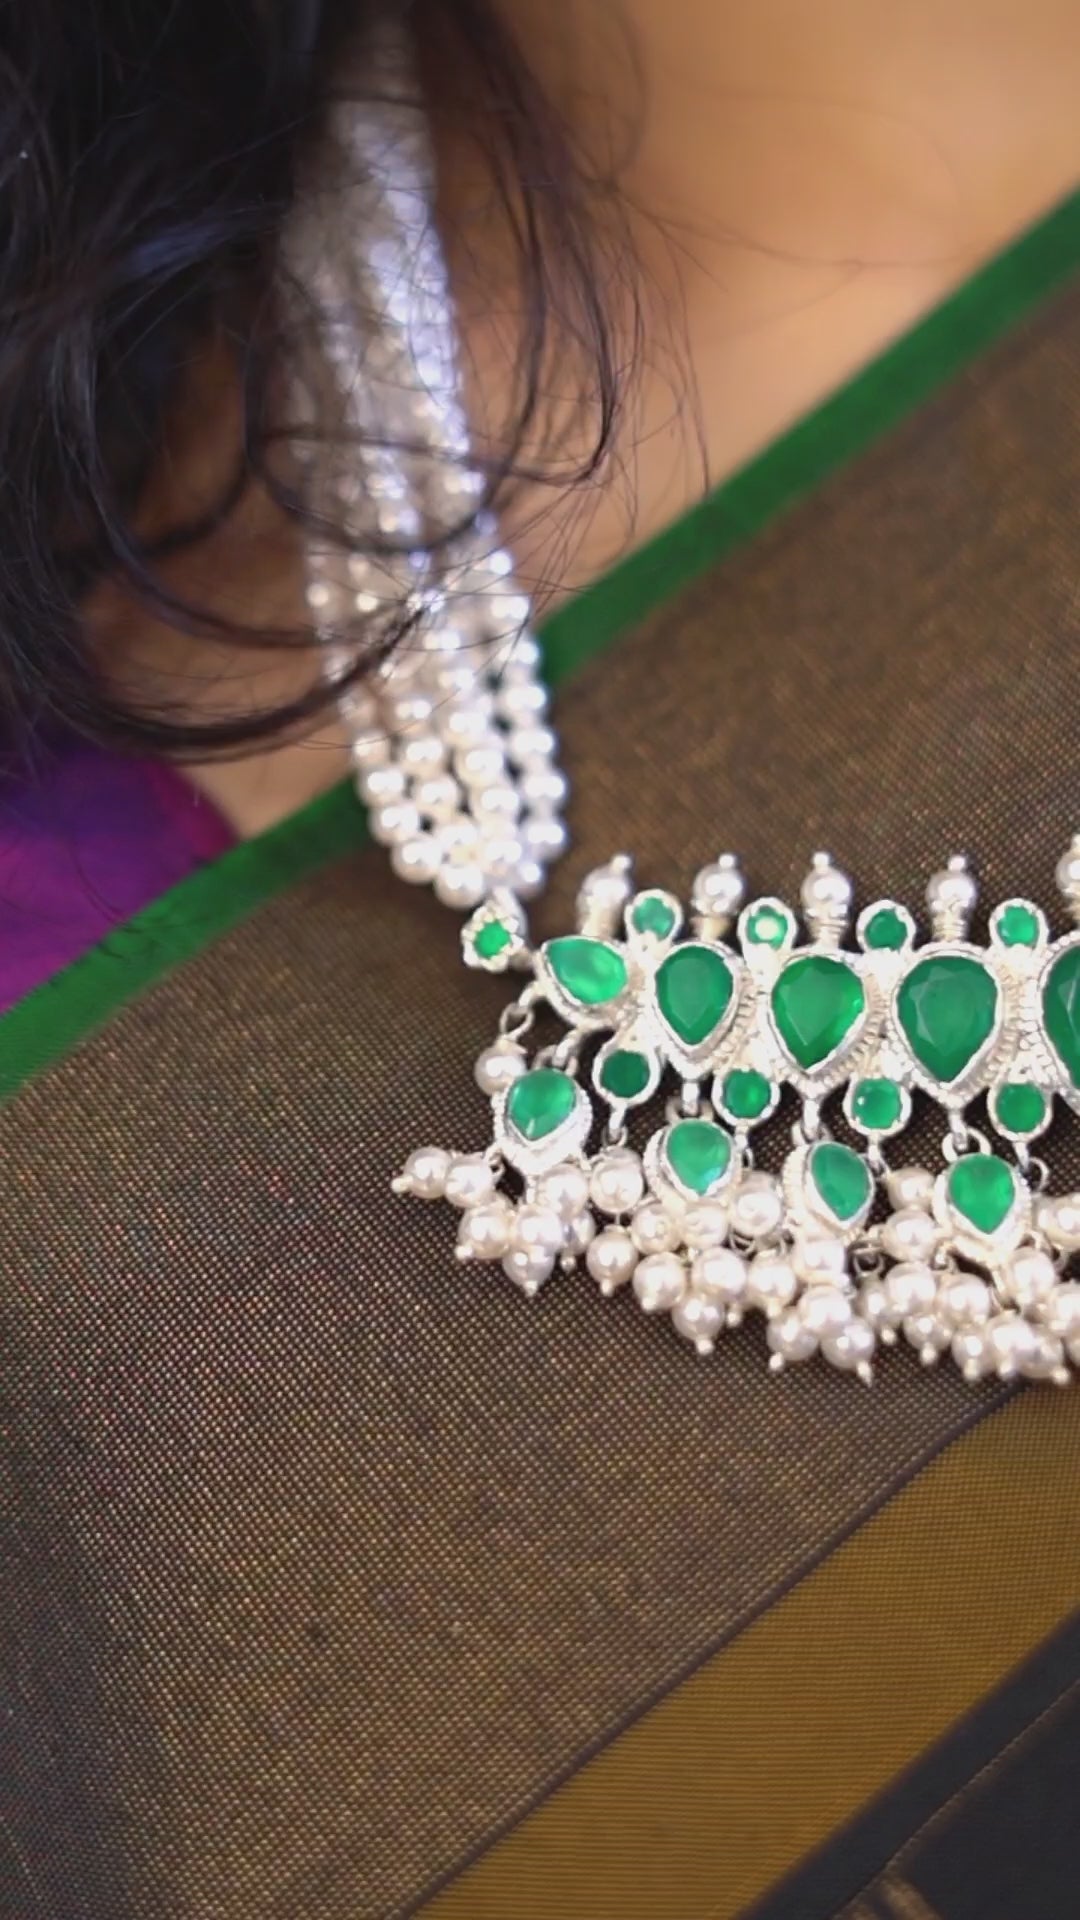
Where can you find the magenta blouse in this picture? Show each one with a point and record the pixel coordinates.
(85, 845)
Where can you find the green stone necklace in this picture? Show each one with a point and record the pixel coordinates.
(622, 1136)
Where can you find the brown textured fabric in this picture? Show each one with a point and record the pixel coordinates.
(324, 1558)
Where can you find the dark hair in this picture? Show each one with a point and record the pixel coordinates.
(149, 151)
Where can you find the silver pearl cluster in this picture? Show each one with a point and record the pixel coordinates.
(452, 751)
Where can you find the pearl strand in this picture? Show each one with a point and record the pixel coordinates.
(449, 736)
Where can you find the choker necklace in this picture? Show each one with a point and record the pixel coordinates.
(710, 1018)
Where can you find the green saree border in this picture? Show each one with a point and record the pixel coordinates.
(53, 1018)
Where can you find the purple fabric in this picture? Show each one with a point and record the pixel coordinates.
(83, 847)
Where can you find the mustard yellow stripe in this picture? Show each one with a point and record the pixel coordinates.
(788, 1731)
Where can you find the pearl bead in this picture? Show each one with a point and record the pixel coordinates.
(819, 1256)
(386, 782)
(611, 1259)
(952, 891)
(369, 750)
(484, 1232)
(972, 1354)
(469, 1180)
(910, 1288)
(539, 1229)
(789, 1340)
(521, 704)
(460, 886)
(699, 1319)
(653, 1230)
(1030, 1277)
(531, 747)
(758, 1206)
(500, 855)
(423, 755)
(424, 1174)
(565, 1187)
(458, 836)
(617, 1181)
(1046, 1358)
(928, 1335)
(1063, 1222)
(481, 762)
(705, 1223)
(910, 1234)
(603, 896)
(1062, 1310)
(850, 1347)
(874, 1305)
(824, 1310)
(719, 1274)
(659, 1282)
(439, 796)
(547, 787)
(771, 1283)
(497, 1067)
(910, 1187)
(826, 892)
(1011, 1341)
(498, 802)
(544, 835)
(527, 1269)
(963, 1300)
(718, 890)
(417, 859)
(460, 724)
(580, 1231)
(396, 821)
(1068, 871)
(527, 879)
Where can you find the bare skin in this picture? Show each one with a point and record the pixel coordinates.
(804, 184)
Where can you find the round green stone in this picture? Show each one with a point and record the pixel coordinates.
(842, 1179)
(877, 1106)
(886, 930)
(816, 1001)
(492, 940)
(653, 914)
(540, 1101)
(1017, 925)
(947, 1007)
(746, 1094)
(1061, 1010)
(698, 1153)
(588, 971)
(1019, 1107)
(625, 1074)
(767, 927)
(982, 1188)
(693, 990)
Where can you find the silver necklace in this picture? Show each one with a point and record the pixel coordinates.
(706, 1019)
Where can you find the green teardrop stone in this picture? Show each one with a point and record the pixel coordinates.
(588, 971)
(540, 1101)
(816, 1002)
(982, 1188)
(1061, 1010)
(693, 989)
(698, 1154)
(947, 1008)
(842, 1178)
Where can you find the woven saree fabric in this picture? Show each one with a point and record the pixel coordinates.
(339, 1582)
